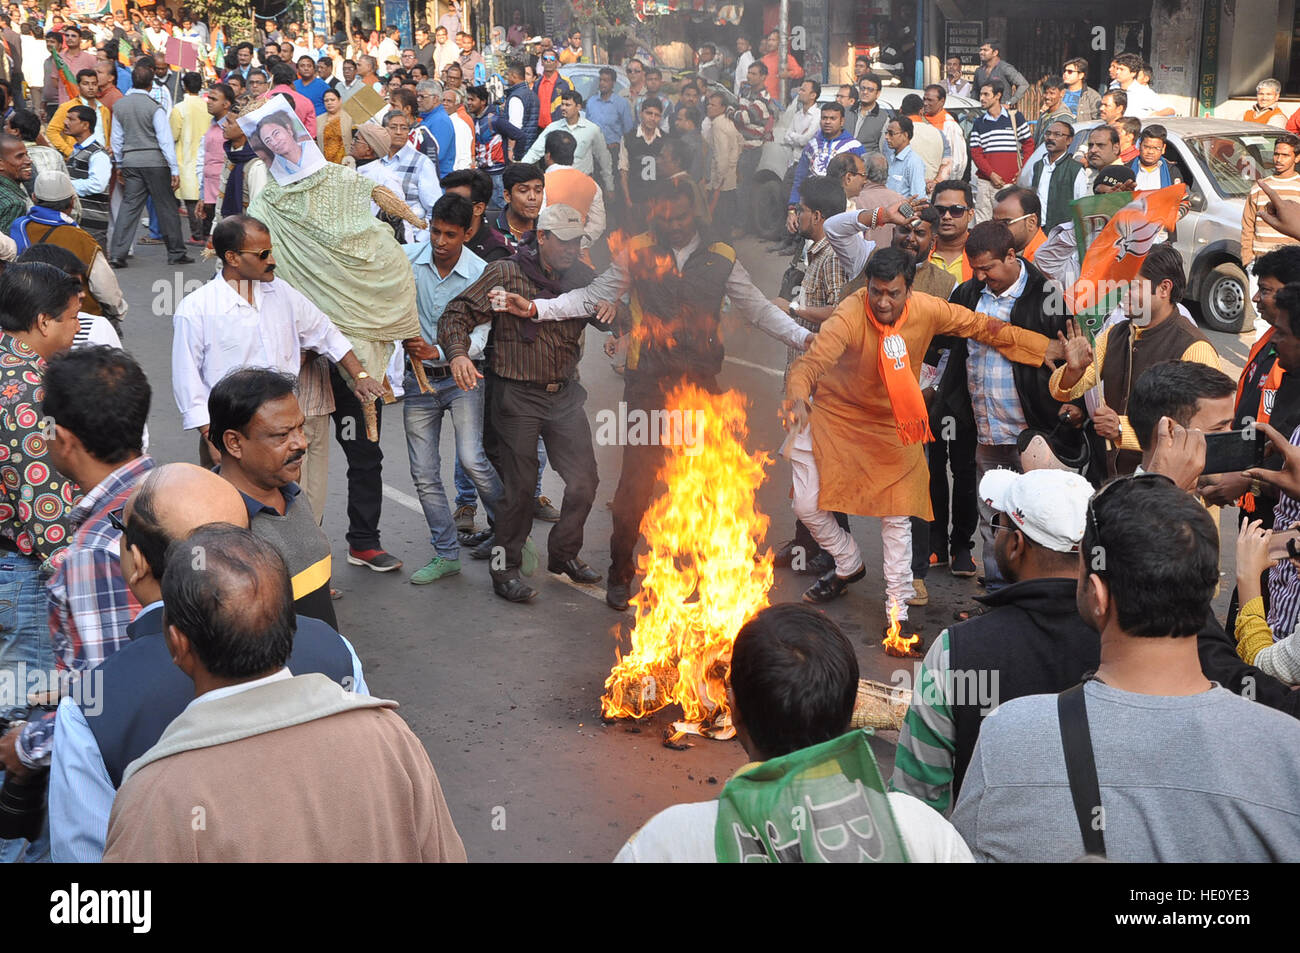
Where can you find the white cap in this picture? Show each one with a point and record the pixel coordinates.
(1048, 506)
(562, 221)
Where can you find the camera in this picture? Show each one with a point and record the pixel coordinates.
(22, 800)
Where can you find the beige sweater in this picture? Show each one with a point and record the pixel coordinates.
(294, 770)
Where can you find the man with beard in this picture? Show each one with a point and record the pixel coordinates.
(1152, 332)
(257, 427)
(534, 393)
(677, 283)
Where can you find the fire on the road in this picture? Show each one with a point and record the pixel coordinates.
(703, 576)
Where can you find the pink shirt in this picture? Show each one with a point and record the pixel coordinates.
(214, 158)
(302, 107)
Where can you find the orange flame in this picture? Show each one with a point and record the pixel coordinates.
(894, 642)
(702, 577)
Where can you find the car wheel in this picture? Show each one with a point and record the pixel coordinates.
(769, 209)
(1225, 300)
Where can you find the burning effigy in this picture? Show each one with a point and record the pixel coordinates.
(703, 575)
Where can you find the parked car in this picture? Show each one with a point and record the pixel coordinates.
(771, 185)
(1219, 160)
(585, 78)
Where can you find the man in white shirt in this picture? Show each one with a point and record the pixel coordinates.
(794, 681)
(1142, 99)
(804, 122)
(453, 101)
(245, 316)
(744, 57)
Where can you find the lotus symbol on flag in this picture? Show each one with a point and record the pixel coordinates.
(1136, 232)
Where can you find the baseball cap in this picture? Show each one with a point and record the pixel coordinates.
(562, 221)
(1114, 175)
(52, 186)
(1048, 506)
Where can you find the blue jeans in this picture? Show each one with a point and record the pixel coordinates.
(465, 486)
(422, 414)
(498, 192)
(25, 649)
(155, 226)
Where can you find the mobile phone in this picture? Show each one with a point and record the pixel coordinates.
(1284, 544)
(1233, 451)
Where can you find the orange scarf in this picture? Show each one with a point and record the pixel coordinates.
(911, 418)
(1267, 393)
(936, 120)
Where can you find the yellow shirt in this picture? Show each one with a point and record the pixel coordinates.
(64, 143)
(1202, 352)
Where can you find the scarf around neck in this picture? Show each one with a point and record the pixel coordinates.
(530, 263)
(911, 418)
(233, 203)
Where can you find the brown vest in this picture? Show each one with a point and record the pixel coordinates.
(76, 240)
(1127, 358)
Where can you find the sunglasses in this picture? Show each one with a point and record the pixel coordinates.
(1012, 221)
(115, 518)
(952, 211)
(264, 254)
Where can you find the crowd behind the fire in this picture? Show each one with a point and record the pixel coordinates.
(183, 607)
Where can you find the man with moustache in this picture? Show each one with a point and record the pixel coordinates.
(257, 427)
(246, 317)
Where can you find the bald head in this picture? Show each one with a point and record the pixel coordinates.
(169, 504)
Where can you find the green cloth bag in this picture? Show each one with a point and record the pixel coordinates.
(823, 804)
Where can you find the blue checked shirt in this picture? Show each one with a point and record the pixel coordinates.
(613, 116)
(999, 418)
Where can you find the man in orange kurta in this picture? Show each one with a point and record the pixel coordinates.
(856, 451)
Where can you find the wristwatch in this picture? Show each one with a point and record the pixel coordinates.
(362, 375)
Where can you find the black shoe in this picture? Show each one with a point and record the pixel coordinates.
(183, 260)
(575, 569)
(483, 550)
(819, 565)
(513, 589)
(474, 539)
(117, 263)
(831, 586)
(616, 597)
(784, 555)
(963, 565)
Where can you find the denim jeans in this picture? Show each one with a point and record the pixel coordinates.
(465, 494)
(423, 414)
(25, 650)
(498, 192)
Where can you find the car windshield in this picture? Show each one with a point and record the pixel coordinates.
(1233, 162)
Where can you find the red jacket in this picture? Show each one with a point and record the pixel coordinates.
(302, 107)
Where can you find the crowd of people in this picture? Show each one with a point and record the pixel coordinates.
(444, 254)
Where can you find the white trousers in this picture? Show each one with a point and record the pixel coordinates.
(895, 531)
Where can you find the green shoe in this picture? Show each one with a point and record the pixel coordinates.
(528, 558)
(437, 568)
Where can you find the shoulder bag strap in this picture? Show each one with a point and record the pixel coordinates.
(1081, 768)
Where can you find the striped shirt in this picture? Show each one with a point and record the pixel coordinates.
(1283, 580)
(994, 144)
(927, 745)
(1257, 236)
(999, 418)
(552, 353)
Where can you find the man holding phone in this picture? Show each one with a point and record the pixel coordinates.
(1149, 334)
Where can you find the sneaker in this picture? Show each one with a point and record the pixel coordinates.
(528, 559)
(544, 511)
(464, 517)
(151, 241)
(963, 565)
(938, 559)
(435, 570)
(962, 615)
(922, 597)
(376, 559)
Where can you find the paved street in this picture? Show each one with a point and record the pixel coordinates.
(505, 697)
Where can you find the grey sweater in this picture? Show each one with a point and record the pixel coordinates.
(1197, 778)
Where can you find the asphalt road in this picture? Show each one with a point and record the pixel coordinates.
(506, 697)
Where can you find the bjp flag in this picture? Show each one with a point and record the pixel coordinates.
(1116, 254)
